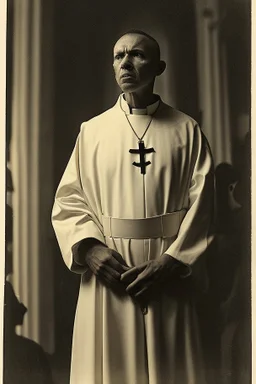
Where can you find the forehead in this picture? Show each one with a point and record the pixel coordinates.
(134, 41)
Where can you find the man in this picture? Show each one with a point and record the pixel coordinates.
(132, 215)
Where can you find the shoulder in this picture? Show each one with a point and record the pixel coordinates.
(175, 116)
(30, 347)
(178, 123)
(184, 127)
(99, 121)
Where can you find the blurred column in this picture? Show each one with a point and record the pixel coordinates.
(212, 75)
(31, 164)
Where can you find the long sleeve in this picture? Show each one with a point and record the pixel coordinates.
(194, 234)
(72, 217)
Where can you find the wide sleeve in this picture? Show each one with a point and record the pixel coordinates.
(72, 217)
(195, 233)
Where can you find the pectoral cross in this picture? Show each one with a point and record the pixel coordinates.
(142, 151)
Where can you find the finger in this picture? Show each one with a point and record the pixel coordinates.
(119, 258)
(117, 266)
(106, 269)
(134, 286)
(130, 275)
(107, 279)
(141, 293)
(141, 278)
(129, 279)
(133, 271)
(145, 278)
(108, 261)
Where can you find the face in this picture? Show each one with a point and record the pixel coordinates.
(136, 62)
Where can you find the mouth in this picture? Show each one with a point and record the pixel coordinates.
(127, 76)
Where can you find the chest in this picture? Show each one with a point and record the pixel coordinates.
(160, 148)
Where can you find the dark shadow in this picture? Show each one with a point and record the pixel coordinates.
(25, 362)
(229, 266)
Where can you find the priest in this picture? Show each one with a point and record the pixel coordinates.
(132, 215)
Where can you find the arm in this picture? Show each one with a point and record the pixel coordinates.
(79, 232)
(194, 234)
(72, 218)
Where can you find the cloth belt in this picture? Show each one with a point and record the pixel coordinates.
(166, 225)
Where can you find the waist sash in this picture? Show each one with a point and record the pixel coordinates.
(166, 225)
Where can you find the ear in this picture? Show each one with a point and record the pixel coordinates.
(161, 67)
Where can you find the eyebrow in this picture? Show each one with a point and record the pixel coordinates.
(133, 50)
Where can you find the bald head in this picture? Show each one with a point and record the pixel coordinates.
(137, 61)
(154, 44)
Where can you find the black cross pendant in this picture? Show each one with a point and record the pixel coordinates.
(142, 151)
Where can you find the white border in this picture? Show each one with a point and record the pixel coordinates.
(3, 20)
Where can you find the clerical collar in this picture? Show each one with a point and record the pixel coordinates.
(149, 110)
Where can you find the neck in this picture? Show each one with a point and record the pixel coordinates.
(137, 100)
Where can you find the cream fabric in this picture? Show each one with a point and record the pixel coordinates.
(113, 342)
(151, 227)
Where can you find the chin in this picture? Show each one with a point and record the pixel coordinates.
(128, 88)
(136, 88)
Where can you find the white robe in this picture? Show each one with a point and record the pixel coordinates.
(113, 342)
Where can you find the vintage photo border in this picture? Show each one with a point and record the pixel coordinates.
(3, 18)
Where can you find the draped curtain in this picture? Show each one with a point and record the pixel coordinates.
(31, 166)
(212, 80)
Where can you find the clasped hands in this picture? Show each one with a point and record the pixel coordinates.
(109, 266)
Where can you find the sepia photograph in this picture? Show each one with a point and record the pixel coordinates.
(128, 192)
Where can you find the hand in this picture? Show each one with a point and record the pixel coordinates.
(144, 277)
(107, 264)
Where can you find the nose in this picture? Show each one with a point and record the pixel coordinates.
(126, 63)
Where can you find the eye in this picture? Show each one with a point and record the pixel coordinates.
(138, 54)
(118, 56)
